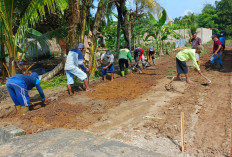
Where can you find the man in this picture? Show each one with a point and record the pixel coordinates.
(217, 52)
(74, 60)
(151, 54)
(138, 55)
(196, 41)
(18, 86)
(223, 41)
(182, 57)
(124, 55)
(107, 60)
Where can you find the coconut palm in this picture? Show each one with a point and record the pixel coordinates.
(14, 27)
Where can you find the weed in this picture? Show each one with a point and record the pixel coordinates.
(170, 72)
(99, 118)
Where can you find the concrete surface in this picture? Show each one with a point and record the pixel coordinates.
(64, 142)
(8, 132)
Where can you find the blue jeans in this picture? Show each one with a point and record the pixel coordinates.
(110, 69)
(217, 57)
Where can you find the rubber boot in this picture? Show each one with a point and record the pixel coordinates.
(199, 63)
(123, 74)
(153, 60)
(222, 68)
(24, 109)
(126, 71)
(18, 109)
(144, 66)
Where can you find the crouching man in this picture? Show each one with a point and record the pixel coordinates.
(107, 60)
(18, 86)
(74, 60)
(182, 57)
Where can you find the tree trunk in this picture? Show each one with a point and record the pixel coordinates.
(97, 22)
(83, 24)
(52, 73)
(118, 31)
(73, 21)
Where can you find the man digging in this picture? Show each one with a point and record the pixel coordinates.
(74, 60)
(124, 55)
(151, 54)
(182, 57)
(138, 55)
(18, 86)
(107, 60)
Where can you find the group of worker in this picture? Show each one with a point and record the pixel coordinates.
(19, 84)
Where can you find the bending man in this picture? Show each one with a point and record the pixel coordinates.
(74, 60)
(18, 86)
(124, 55)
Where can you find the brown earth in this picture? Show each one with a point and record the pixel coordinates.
(137, 110)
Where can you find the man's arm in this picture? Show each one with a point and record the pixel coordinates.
(41, 93)
(190, 39)
(219, 48)
(129, 56)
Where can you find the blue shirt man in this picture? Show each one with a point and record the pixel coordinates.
(18, 86)
(223, 41)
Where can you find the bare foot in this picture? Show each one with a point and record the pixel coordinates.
(189, 81)
(89, 90)
(112, 79)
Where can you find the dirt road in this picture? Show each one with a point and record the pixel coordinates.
(137, 110)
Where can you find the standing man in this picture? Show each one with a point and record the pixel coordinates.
(196, 41)
(182, 57)
(74, 60)
(18, 86)
(107, 60)
(124, 55)
(223, 41)
(217, 52)
(151, 54)
(138, 55)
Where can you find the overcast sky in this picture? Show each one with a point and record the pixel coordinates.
(177, 8)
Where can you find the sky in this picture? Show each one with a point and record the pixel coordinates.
(177, 8)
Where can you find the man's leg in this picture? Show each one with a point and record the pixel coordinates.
(70, 81)
(143, 62)
(222, 68)
(103, 72)
(153, 59)
(121, 65)
(187, 79)
(127, 65)
(23, 97)
(112, 71)
(14, 97)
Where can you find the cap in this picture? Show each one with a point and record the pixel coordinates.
(194, 33)
(81, 46)
(222, 34)
(108, 53)
(34, 74)
(213, 36)
(151, 48)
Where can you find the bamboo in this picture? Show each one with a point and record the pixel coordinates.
(182, 131)
(6, 70)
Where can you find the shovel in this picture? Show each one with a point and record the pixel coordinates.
(209, 81)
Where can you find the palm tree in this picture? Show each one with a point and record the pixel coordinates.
(15, 33)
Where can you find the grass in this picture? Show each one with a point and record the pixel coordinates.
(170, 72)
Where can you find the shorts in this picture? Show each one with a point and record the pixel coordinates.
(110, 69)
(77, 72)
(181, 67)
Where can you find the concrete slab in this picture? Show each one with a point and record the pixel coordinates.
(64, 142)
(8, 132)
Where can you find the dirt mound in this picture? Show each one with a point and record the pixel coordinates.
(127, 88)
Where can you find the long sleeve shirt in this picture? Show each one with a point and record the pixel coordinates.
(136, 53)
(188, 54)
(74, 59)
(30, 83)
(125, 54)
(107, 59)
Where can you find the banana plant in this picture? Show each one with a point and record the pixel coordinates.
(16, 27)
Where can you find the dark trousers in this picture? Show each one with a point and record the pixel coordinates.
(123, 62)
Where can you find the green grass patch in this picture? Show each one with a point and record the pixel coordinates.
(59, 80)
(170, 72)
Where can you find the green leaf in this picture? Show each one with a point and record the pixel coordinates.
(163, 18)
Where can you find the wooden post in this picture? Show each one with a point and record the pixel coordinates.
(182, 131)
